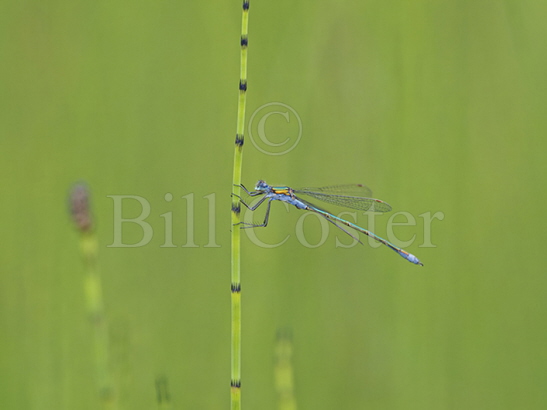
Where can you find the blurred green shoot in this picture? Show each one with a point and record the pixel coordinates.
(162, 393)
(283, 371)
(83, 219)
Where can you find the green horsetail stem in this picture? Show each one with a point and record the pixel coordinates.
(235, 287)
(83, 220)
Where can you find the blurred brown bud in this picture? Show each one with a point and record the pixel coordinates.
(79, 207)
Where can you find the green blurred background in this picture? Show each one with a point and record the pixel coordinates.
(437, 106)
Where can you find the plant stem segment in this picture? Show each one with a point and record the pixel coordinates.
(235, 287)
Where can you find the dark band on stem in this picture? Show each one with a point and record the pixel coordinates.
(240, 140)
(244, 41)
(235, 383)
(245, 4)
(236, 208)
(242, 85)
(235, 287)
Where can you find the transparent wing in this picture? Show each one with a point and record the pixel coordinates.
(354, 199)
(347, 189)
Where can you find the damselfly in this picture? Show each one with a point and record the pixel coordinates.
(354, 196)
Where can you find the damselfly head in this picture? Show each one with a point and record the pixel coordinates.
(261, 185)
